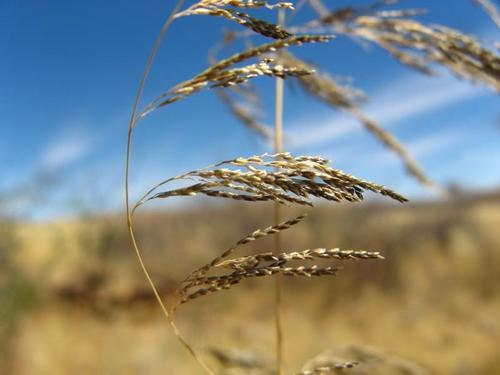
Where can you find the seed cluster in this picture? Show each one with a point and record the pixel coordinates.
(251, 4)
(264, 264)
(213, 284)
(220, 74)
(413, 43)
(253, 261)
(255, 235)
(281, 178)
(199, 283)
(217, 8)
(232, 77)
(261, 27)
(329, 369)
(416, 44)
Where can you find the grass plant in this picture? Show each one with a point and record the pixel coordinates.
(281, 178)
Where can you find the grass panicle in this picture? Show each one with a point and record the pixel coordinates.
(414, 43)
(228, 78)
(242, 101)
(268, 264)
(281, 178)
(219, 74)
(417, 45)
(329, 369)
(198, 284)
(218, 283)
(337, 254)
(256, 234)
(259, 26)
(249, 4)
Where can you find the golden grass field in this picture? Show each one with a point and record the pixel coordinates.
(73, 300)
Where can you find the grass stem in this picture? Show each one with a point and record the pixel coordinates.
(278, 147)
(130, 227)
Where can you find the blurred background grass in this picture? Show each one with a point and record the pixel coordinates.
(73, 300)
(72, 297)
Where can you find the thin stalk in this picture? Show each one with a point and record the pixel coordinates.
(130, 226)
(278, 146)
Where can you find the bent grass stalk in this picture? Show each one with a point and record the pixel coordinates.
(413, 43)
(130, 226)
(135, 117)
(490, 8)
(280, 178)
(278, 147)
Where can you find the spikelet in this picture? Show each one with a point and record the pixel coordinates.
(259, 233)
(252, 261)
(216, 8)
(366, 359)
(219, 74)
(329, 369)
(258, 51)
(281, 178)
(217, 283)
(413, 43)
(339, 17)
(242, 100)
(199, 284)
(250, 4)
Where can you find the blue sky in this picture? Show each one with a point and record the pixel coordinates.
(69, 70)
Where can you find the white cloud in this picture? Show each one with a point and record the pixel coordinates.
(420, 148)
(436, 142)
(403, 99)
(66, 148)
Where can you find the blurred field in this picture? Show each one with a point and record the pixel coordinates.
(73, 301)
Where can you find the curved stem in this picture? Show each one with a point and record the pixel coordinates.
(132, 123)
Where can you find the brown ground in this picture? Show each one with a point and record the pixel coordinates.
(73, 300)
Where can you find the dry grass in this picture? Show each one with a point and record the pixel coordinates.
(215, 8)
(219, 74)
(413, 43)
(422, 308)
(325, 89)
(282, 178)
(460, 53)
(491, 10)
(243, 100)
